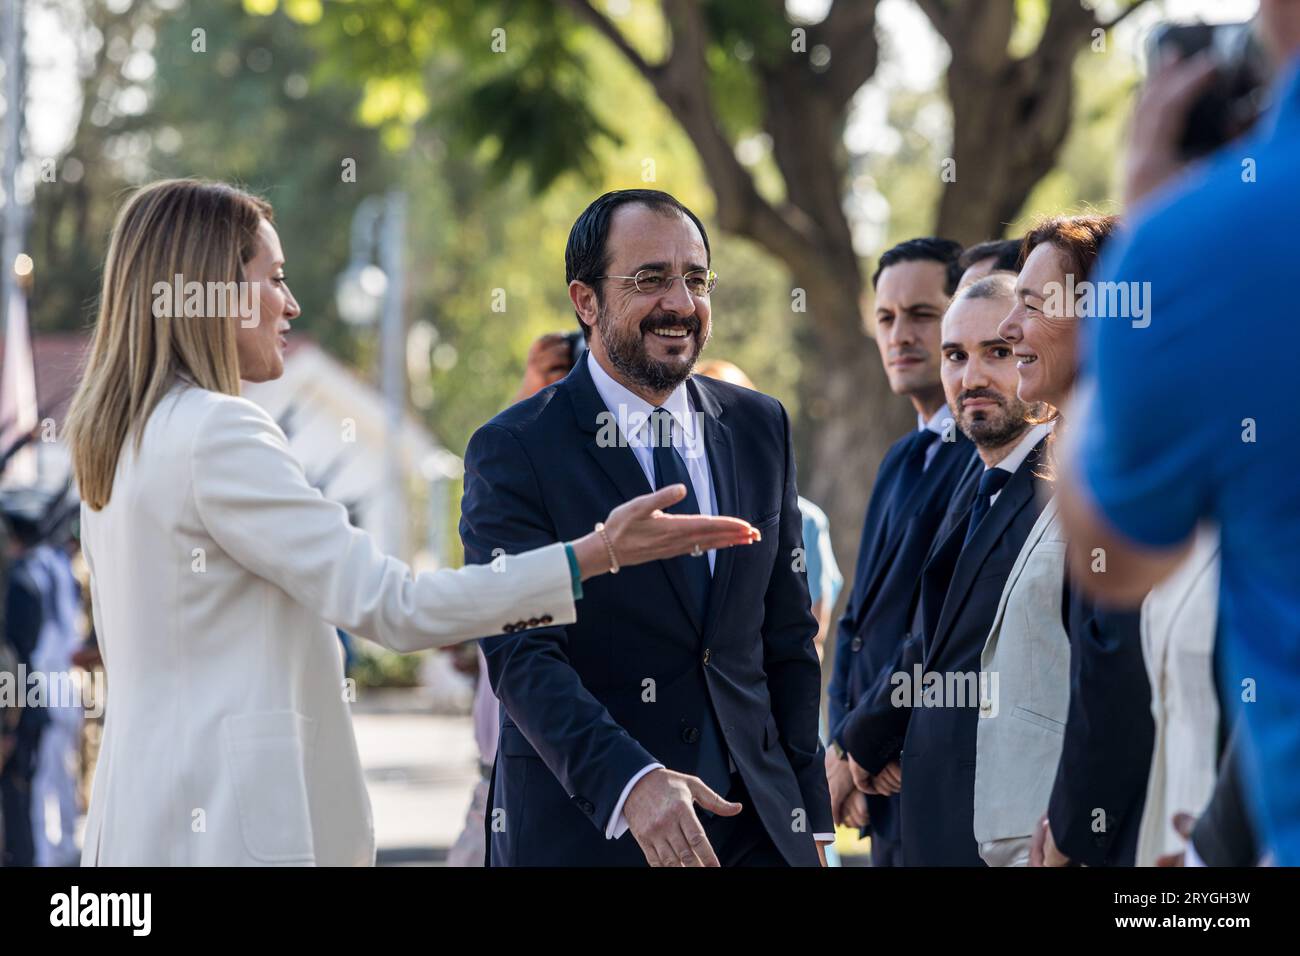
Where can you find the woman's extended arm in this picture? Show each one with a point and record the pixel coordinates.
(255, 501)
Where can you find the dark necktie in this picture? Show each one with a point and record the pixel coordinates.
(991, 482)
(910, 472)
(671, 469)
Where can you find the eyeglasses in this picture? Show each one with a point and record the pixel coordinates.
(654, 282)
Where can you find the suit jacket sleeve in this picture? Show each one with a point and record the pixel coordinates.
(1101, 777)
(873, 732)
(793, 671)
(252, 496)
(1224, 834)
(591, 756)
(837, 708)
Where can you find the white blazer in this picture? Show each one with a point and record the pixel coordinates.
(1179, 619)
(1022, 725)
(217, 577)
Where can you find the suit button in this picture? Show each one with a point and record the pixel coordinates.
(855, 645)
(508, 629)
(533, 622)
(707, 654)
(585, 806)
(547, 619)
(691, 735)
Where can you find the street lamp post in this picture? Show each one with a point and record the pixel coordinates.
(365, 293)
(12, 54)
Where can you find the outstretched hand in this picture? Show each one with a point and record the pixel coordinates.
(640, 530)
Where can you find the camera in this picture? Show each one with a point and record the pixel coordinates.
(1236, 98)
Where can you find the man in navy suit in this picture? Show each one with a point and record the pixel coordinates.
(914, 282)
(682, 706)
(977, 543)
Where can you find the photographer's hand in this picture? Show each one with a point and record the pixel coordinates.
(1158, 122)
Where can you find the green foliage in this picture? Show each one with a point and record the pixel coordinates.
(377, 667)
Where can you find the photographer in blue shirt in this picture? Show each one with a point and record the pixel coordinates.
(1186, 413)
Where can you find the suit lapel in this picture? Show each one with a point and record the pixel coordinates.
(1045, 520)
(1019, 491)
(719, 445)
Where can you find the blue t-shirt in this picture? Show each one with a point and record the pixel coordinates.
(1190, 414)
(824, 578)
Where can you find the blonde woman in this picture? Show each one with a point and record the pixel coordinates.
(218, 572)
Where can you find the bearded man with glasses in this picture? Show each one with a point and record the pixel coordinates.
(683, 708)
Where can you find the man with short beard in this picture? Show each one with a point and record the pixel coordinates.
(683, 706)
(931, 720)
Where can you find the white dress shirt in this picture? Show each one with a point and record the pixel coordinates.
(1017, 456)
(633, 416)
(938, 423)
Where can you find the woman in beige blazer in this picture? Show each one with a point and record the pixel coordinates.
(218, 573)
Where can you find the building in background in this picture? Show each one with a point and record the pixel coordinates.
(335, 424)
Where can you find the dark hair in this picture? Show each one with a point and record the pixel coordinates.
(1079, 239)
(586, 255)
(1005, 252)
(946, 252)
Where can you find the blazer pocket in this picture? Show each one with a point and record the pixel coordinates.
(515, 744)
(269, 755)
(768, 522)
(1039, 720)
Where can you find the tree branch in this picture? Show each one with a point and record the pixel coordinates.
(593, 17)
(849, 29)
(1117, 18)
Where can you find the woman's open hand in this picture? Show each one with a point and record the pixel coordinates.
(640, 530)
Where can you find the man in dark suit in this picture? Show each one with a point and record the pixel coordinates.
(913, 282)
(924, 707)
(683, 683)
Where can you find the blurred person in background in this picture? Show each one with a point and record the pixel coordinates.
(986, 258)
(1179, 620)
(54, 786)
(219, 574)
(28, 592)
(914, 283)
(1225, 448)
(549, 359)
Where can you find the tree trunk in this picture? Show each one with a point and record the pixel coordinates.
(849, 418)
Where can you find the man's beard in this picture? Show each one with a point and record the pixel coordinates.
(999, 426)
(626, 349)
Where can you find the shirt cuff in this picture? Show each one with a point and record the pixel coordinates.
(575, 572)
(824, 837)
(617, 825)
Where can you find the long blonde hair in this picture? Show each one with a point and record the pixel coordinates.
(202, 232)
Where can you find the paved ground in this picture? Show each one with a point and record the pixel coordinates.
(420, 769)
